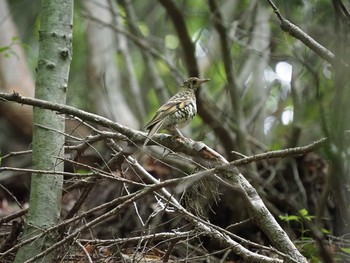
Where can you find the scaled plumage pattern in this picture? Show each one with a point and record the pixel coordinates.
(178, 111)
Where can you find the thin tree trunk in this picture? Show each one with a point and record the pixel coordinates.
(55, 54)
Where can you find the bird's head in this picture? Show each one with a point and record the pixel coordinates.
(193, 83)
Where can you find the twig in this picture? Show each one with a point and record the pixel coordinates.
(12, 196)
(65, 109)
(103, 217)
(13, 216)
(155, 237)
(79, 203)
(15, 154)
(100, 173)
(12, 238)
(296, 32)
(205, 226)
(281, 153)
(170, 249)
(85, 251)
(264, 156)
(85, 214)
(90, 139)
(25, 170)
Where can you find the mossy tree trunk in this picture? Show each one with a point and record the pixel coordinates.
(55, 52)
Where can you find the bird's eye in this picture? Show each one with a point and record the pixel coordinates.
(194, 81)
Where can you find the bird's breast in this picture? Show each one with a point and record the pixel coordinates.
(184, 116)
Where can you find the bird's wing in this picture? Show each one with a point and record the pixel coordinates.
(152, 130)
(167, 109)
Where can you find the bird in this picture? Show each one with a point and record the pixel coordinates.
(178, 111)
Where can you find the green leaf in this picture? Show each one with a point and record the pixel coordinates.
(325, 231)
(144, 29)
(307, 239)
(4, 48)
(303, 212)
(171, 41)
(25, 46)
(15, 39)
(82, 171)
(289, 218)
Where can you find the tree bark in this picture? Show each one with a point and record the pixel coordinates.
(55, 53)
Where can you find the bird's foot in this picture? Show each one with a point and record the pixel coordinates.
(180, 138)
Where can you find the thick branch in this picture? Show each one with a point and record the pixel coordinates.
(192, 148)
(65, 109)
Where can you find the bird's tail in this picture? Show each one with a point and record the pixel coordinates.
(156, 127)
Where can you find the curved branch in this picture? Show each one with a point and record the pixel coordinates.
(196, 149)
(281, 153)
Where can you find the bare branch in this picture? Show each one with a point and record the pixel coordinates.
(296, 32)
(157, 236)
(281, 153)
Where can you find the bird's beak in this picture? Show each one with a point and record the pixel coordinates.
(202, 81)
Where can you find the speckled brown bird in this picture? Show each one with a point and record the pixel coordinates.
(178, 111)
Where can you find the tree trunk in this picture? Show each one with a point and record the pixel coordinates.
(55, 52)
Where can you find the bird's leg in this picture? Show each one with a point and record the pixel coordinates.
(177, 134)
